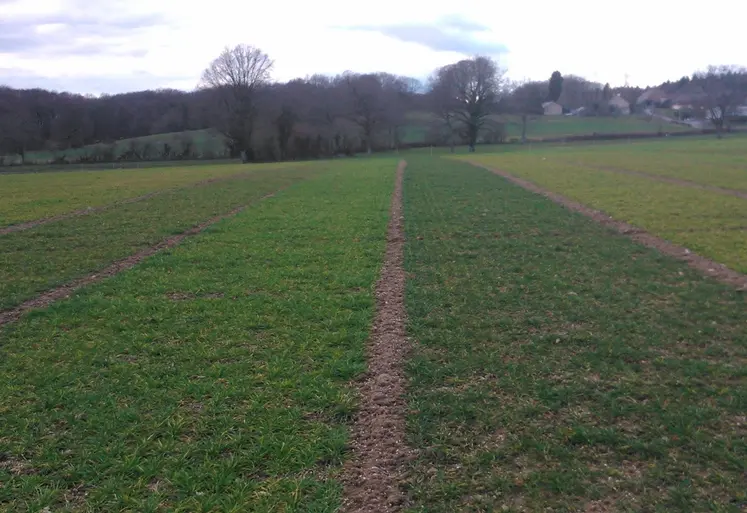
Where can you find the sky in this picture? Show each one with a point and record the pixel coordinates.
(113, 46)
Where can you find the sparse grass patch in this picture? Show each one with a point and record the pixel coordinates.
(558, 367)
(214, 377)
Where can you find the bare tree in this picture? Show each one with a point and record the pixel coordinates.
(442, 105)
(367, 104)
(725, 89)
(526, 100)
(235, 76)
(471, 89)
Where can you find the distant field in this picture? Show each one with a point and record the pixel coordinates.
(203, 144)
(710, 223)
(541, 127)
(560, 126)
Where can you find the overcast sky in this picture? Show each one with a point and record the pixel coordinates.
(97, 46)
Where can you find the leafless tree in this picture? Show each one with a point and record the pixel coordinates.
(367, 106)
(525, 99)
(235, 76)
(442, 105)
(725, 89)
(471, 89)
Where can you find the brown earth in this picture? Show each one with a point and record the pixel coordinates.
(709, 267)
(90, 210)
(373, 474)
(64, 291)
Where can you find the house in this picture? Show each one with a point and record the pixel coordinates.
(652, 97)
(618, 105)
(552, 109)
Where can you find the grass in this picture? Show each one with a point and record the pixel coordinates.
(214, 377)
(40, 258)
(26, 197)
(709, 223)
(558, 367)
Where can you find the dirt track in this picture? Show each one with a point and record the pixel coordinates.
(705, 265)
(50, 296)
(373, 474)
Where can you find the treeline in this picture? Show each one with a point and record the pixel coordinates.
(256, 119)
(314, 117)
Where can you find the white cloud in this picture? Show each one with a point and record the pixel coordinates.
(169, 42)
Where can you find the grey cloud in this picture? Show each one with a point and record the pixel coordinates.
(452, 34)
(19, 36)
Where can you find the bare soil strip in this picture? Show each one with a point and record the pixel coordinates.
(373, 474)
(674, 181)
(711, 268)
(64, 291)
(85, 211)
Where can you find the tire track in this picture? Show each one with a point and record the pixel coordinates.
(47, 298)
(709, 267)
(373, 474)
(27, 225)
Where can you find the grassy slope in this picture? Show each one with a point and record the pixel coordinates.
(710, 223)
(558, 367)
(212, 378)
(40, 258)
(203, 141)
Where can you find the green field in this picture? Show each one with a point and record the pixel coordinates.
(555, 365)
(559, 367)
(52, 254)
(206, 144)
(212, 378)
(710, 223)
(550, 127)
(38, 195)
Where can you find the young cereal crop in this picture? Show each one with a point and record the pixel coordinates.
(710, 223)
(214, 377)
(40, 258)
(558, 367)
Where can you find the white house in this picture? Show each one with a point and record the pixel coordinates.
(552, 109)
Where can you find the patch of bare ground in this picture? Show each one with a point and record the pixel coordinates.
(709, 267)
(16, 466)
(91, 210)
(64, 291)
(675, 181)
(373, 474)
